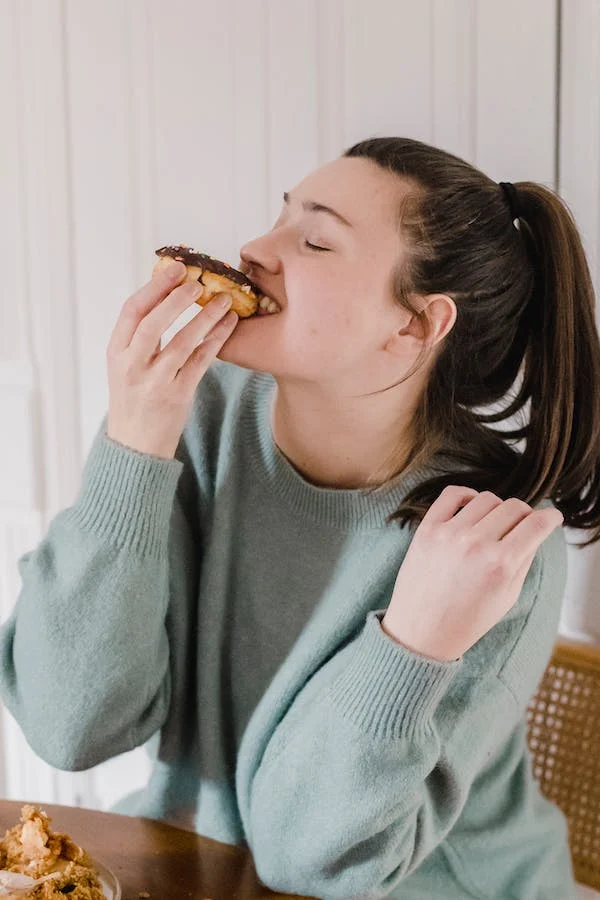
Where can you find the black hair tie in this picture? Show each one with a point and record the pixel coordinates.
(512, 198)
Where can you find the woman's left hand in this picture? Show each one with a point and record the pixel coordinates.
(464, 570)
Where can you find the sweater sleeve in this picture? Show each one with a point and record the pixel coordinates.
(371, 766)
(84, 656)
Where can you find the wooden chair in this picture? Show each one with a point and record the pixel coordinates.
(563, 733)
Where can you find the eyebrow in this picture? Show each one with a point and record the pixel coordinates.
(313, 206)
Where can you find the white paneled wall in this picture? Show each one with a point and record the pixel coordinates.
(128, 124)
(579, 184)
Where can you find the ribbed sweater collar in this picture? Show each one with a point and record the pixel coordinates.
(352, 510)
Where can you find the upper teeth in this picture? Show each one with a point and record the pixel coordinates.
(269, 305)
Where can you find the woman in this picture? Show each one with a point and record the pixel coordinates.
(319, 576)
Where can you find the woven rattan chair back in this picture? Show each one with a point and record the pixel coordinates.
(563, 734)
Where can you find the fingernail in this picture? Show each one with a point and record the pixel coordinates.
(225, 301)
(196, 288)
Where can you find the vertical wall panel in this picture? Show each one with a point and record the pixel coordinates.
(331, 79)
(453, 61)
(23, 490)
(12, 252)
(516, 89)
(579, 183)
(388, 71)
(103, 255)
(142, 114)
(249, 210)
(580, 124)
(47, 295)
(292, 96)
(191, 49)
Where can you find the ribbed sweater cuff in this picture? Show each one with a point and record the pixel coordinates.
(388, 690)
(127, 496)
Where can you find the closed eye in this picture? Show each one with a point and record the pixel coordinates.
(316, 247)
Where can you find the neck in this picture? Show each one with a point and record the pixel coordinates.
(341, 442)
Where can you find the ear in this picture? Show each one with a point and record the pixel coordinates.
(441, 312)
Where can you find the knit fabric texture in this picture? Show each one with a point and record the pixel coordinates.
(227, 612)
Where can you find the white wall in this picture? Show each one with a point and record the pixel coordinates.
(128, 125)
(579, 184)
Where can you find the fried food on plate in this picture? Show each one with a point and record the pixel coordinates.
(33, 849)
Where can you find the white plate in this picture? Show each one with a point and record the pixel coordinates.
(108, 880)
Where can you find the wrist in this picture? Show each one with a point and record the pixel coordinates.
(147, 447)
(430, 645)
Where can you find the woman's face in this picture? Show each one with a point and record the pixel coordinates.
(337, 308)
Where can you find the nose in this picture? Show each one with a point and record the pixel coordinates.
(262, 253)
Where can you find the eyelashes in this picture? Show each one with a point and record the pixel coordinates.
(315, 247)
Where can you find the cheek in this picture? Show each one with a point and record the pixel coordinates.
(329, 326)
(320, 326)
(327, 307)
(331, 334)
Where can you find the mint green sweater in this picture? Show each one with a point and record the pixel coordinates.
(225, 606)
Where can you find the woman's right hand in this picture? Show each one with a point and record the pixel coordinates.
(151, 391)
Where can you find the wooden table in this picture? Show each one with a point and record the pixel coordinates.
(154, 858)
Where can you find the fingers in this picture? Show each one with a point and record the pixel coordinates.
(490, 518)
(201, 358)
(478, 509)
(501, 517)
(448, 503)
(140, 304)
(160, 318)
(203, 327)
(524, 539)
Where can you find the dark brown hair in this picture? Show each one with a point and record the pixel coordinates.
(525, 334)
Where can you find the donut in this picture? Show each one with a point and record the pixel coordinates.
(217, 277)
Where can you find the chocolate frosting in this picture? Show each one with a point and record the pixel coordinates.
(191, 257)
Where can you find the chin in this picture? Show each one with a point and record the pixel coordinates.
(253, 344)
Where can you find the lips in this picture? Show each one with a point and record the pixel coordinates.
(268, 305)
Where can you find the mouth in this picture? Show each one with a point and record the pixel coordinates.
(267, 304)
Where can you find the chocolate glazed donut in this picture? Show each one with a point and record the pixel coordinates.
(217, 277)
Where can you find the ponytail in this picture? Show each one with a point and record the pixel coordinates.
(561, 374)
(525, 334)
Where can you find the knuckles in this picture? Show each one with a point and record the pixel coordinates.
(498, 566)
(518, 505)
(147, 330)
(460, 490)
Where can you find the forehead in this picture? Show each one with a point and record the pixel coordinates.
(359, 189)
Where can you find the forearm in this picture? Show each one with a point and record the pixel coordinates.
(353, 790)
(84, 657)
